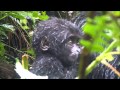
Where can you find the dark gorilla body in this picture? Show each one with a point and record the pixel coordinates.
(103, 72)
(57, 52)
(53, 55)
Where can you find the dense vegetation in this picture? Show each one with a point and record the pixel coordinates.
(102, 36)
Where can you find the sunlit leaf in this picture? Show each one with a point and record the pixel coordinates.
(116, 13)
(97, 48)
(109, 57)
(15, 15)
(36, 14)
(85, 43)
(25, 74)
(31, 51)
(10, 27)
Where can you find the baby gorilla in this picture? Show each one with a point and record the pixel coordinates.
(56, 44)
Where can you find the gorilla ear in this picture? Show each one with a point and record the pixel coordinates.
(44, 45)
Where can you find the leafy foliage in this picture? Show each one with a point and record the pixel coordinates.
(14, 24)
(104, 37)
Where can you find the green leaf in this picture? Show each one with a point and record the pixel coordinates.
(116, 13)
(89, 29)
(17, 15)
(97, 48)
(109, 57)
(85, 43)
(36, 14)
(3, 33)
(10, 27)
(24, 21)
(2, 49)
(31, 51)
(43, 17)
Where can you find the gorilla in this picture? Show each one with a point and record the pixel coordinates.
(57, 48)
(56, 44)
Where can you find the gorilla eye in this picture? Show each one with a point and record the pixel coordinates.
(70, 42)
(74, 39)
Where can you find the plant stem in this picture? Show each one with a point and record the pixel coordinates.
(98, 59)
(25, 61)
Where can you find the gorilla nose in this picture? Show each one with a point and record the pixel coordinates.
(78, 50)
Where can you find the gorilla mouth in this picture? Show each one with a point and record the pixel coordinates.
(73, 57)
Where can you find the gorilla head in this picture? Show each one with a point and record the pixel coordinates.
(56, 41)
(59, 38)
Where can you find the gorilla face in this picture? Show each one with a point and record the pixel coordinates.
(56, 43)
(74, 50)
(71, 50)
(59, 38)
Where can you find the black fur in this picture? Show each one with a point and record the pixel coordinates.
(103, 72)
(54, 61)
